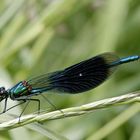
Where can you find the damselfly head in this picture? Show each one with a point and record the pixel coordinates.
(3, 93)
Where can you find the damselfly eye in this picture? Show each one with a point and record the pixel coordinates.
(2, 90)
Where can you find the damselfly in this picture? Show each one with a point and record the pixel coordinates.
(77, 78)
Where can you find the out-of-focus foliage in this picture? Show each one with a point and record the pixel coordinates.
(39, 36)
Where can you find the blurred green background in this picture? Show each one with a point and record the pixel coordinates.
(41, 36)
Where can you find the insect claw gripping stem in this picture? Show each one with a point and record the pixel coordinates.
(29, 99)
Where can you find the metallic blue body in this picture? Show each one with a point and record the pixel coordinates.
(125, 60)
(34, 91)
(129, 59)
(18, 88)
